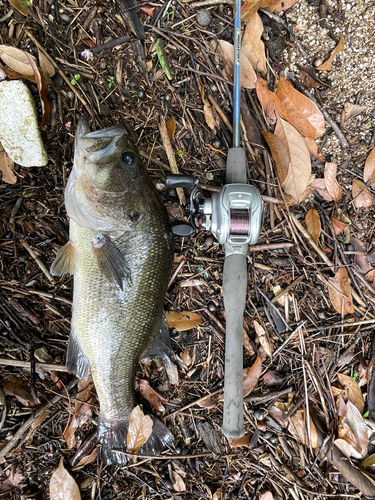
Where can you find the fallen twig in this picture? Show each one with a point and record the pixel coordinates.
(48, 367)
(39, 262)
(171, 157)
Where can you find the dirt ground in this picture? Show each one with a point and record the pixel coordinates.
(293, 414)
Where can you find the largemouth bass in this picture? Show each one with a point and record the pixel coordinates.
(120, 253)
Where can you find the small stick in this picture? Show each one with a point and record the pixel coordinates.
(39, 292)
(272, 246)
(210, 2)
(47, 367)
(171, 157)
(287, 340)
(340, 325)
(161, 457)
(220, 113)
(39, 262)
(287, 289)
(111, 44)
(321, 254)
(197, 401)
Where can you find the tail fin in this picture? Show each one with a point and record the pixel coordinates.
(112, 436)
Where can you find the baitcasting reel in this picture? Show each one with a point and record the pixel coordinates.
(234, 214)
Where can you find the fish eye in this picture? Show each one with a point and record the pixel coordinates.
(127, 157)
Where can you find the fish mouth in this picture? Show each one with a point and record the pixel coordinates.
(101, 145)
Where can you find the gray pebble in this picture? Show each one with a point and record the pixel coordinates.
(203, 17)
(211, 306)
(65, 18)
(208, 242)
(274, 439)
(213, 87)
(258, 413)
(169, 484)
(267, 435)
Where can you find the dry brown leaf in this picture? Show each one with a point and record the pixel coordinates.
(140, 429)
(42, 84)
(340, 292)
(299, 171)
(178, 482)
(6, 167)
(18, 6)
(252, 45)
(349, 111)
(217, 495)
(279, 415)
(319, 185)
(248, 76)
(81, 415)
(171, 127)
(249, 7)
(242, 441)
(62, 486)
(209, 116)
(210, 401)
(313, 225)
(45, 65)
(358, 427)
(370, 276)
(251, 376)
(340, 222)
(274, 378)
(182, 321)
(267, 495)
(332, 186)
(328, 64)
(280, 5)
(20, 390)
(298, 427)
(369, 171)
(263, 338)
(343, 446)
(153, 397)
(185, 356)
(17, 60)
(313, 148)
(10, 480)
(362, 196)
(88, 459)
(309, 77)
(352, 392)
(279, 154)
(301, 111)
(269, 101)
(338, 226)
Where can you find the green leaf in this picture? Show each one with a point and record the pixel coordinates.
(163, 59)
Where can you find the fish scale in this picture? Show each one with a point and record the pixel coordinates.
(120, 278)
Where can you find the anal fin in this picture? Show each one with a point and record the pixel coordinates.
(64, 260)
(76, 361)
(110, 260)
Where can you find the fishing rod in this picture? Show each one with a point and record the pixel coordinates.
(235, 216)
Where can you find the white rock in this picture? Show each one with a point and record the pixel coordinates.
(19, 132)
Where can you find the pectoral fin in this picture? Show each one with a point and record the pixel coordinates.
(111, 261)
(64, 261)
(76, 361)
